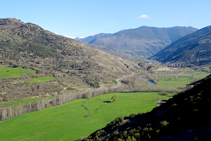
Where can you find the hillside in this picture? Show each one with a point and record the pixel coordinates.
(194, 48)
(184, 117)
(71, 62)
(91, 38)
(117, 53)
(141, 42)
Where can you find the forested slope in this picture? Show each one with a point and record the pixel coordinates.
(194, 48)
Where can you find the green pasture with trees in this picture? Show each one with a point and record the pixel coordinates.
(72, 120)
(186, 76)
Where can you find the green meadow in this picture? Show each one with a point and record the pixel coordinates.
(42, 79)
(181, 81)
(70, 121)
(13, 72)
(172, 82)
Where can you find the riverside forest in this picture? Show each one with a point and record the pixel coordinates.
(151, 86)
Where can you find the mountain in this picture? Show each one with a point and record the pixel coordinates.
(194, 48)
(141, 42)
(71, 62)
(117, 53)
(183, 117)
(91, 38)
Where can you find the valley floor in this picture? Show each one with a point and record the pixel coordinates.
(72, 120)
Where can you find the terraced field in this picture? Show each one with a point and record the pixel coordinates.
(42, 79)
(13, 72)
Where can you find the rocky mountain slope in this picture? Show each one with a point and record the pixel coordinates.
(194, 48)
(91, 38)
(141, 42)
(184, 117)
(71, 62)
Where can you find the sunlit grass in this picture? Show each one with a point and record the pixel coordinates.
(42, 79)
(13, 72)
(69, 121)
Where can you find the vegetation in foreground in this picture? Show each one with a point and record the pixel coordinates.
(73, 120)
(184, 117)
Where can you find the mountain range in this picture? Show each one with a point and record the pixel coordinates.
(141, 42)
(194, 48)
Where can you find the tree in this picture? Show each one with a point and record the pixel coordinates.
(176, 77)
(114, 98)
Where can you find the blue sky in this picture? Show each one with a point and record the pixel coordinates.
(88, 17)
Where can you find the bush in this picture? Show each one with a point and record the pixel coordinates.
(14, 66)
(114, 97)
(163, 123)
(164, 93)
(114, 81)
(8, 70)
(70, 88)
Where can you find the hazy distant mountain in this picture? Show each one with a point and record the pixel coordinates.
(117, 53)
(194, 48)
(141, 42)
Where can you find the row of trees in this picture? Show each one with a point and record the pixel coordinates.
(15, 110)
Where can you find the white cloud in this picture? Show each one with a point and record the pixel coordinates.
(144, 17)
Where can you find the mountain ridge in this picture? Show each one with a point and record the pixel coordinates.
(188, 49)
(140, 42)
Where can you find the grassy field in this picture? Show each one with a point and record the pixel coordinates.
(69, 121)
(13, 72)
(169, 80)
(42, 79)
(172, 82)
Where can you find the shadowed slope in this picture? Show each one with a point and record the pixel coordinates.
(194, 48)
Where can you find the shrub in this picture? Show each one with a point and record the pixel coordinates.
(158, 131)
(114, 81)
(70, 88)
(163, 123)
(137, 135)
(164, 93)
(14, 66)
(125, 134)
(114, 97)
(132, 115)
